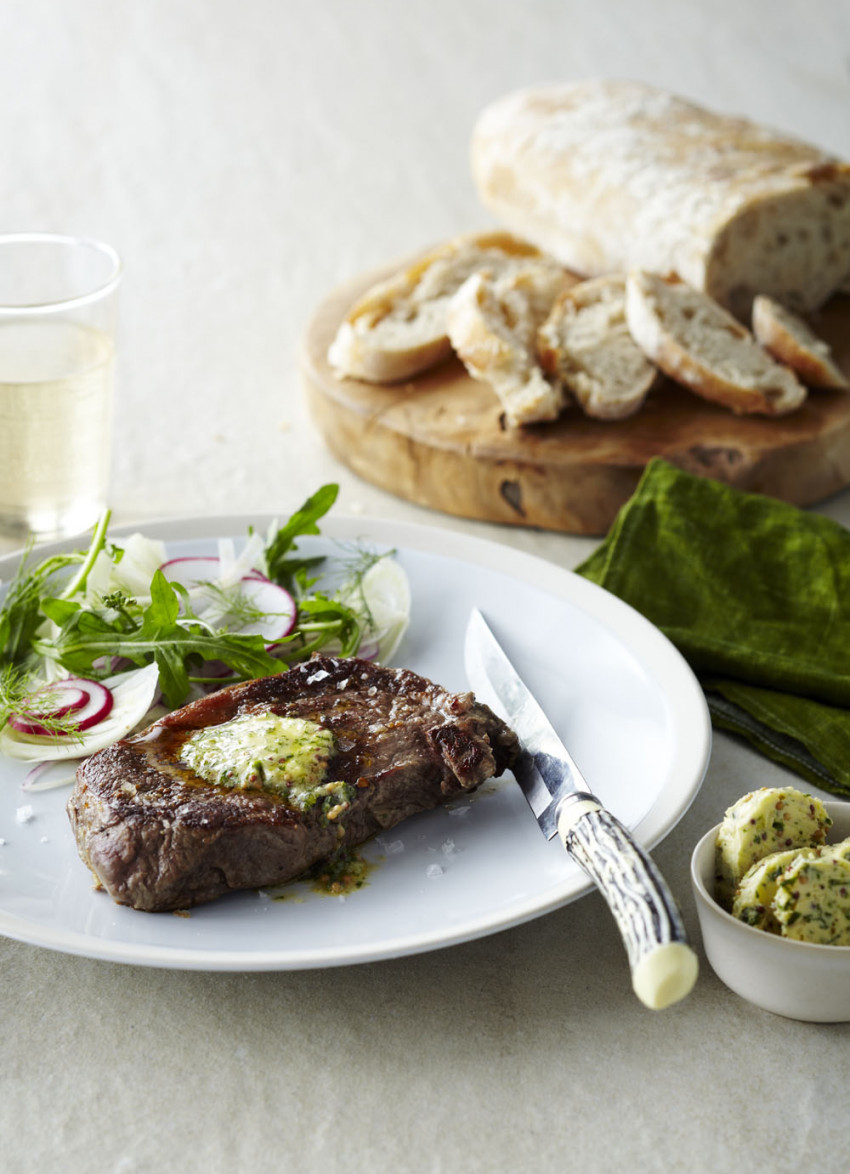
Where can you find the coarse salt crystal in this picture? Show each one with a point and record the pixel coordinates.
(25, 814)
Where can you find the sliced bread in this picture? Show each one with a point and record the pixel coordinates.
(398, 327)
(585, 343)
(791, 340)
(701, 346)
(493, 322)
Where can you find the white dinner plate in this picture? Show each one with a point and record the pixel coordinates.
(621, 696)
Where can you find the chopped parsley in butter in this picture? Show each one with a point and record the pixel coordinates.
(771, 819)
(286, 755)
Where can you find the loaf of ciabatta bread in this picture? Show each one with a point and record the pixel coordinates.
(585, 344)
(609, 176)
(793, 342)
(701, 346)
(398, 327)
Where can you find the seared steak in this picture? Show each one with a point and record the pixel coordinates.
(158, 836)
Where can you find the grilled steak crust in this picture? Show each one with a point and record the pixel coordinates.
(159, 837)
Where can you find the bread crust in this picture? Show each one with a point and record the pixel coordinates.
(790, 340)
(701, 346)
(613, 175)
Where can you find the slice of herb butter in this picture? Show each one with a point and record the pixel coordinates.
(771, 819)
(286, 755)
(754, 896)
(812, 901)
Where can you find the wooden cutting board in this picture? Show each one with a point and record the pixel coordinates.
(440, 440)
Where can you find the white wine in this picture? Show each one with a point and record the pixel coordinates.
(55, 425)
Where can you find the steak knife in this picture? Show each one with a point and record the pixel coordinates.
(663, 965)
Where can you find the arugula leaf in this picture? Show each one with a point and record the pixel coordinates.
(322, 621)
(20, 616)
(304, 521)
(87, 639)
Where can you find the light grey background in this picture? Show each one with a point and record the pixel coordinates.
(245, 158)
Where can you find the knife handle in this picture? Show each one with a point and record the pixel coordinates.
(663, 965)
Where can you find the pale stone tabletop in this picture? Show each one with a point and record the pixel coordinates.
(245, 158)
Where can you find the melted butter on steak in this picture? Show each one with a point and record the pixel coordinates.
(287, 755)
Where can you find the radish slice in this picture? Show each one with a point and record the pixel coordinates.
(194, 570)
(133, 694)
(277, 605)
(47, 776)
(88, 702)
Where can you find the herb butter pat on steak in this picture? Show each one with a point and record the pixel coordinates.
(254, 784)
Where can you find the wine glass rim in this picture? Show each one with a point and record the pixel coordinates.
(101, 290)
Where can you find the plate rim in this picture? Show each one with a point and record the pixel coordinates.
(639, 635)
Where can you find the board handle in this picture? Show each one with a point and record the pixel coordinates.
(664, 966)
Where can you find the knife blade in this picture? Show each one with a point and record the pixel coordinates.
(663, 965)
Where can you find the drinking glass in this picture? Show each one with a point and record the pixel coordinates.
(58, 300)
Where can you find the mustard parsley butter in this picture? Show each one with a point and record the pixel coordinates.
(285, 755)
(768, 820)
(812, 900)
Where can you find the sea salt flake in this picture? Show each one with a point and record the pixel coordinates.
(433, 871)
(457, 812)
(448, 848)
(25, 814)
(44, 840)
(318, 675)
(394, 848)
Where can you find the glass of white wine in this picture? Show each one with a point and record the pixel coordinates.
(58, 301)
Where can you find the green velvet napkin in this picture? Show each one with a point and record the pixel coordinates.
(756, 595)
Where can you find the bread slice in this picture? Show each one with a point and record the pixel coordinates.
(398, 328)
(585, 343)
(700, 345)
(790, 340)
(493, 322)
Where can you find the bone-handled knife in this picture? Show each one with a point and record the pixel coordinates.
(663, 965)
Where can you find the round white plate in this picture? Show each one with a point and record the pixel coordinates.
(620, 695)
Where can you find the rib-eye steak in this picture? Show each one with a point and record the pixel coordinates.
(253, 784)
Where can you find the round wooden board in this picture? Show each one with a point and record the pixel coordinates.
(440, 440)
